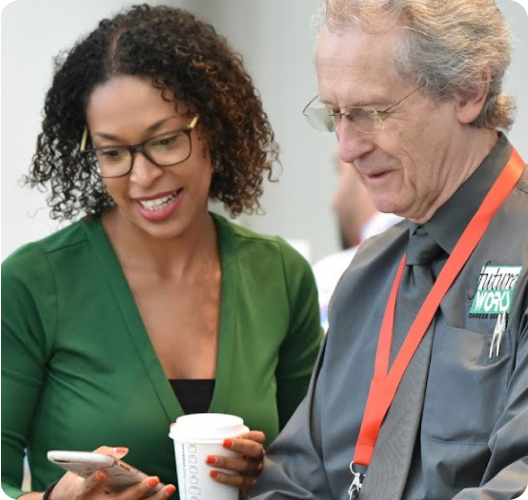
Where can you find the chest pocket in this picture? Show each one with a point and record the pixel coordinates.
(466, 389)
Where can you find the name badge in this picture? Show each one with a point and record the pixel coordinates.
(495, 289)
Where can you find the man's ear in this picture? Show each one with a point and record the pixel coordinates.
(469, 108)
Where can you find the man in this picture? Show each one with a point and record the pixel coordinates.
(413, 90)
(358, 220)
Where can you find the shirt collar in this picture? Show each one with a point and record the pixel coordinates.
(451, 219)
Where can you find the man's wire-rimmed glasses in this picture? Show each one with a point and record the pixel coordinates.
(163, 150)
(364, 118)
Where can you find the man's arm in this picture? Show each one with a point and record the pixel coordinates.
(293, 466)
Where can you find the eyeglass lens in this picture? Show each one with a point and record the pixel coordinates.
(322, 119)
(165, 150)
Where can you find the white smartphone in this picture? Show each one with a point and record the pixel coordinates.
(119, 474)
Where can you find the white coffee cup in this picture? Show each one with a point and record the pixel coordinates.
(195, 437)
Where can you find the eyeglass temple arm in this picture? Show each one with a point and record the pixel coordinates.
(84, 139)
(195, 121)
(308, 105)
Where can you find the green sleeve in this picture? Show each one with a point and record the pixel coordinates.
(27, 296)
(299, 350)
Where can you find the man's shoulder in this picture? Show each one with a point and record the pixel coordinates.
(521, 188)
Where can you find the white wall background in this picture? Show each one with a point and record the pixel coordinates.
(275, 38)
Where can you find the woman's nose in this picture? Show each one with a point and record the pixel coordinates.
(144, 172)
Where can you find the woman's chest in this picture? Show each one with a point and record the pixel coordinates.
(182, 321)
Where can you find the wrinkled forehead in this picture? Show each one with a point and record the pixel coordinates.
(355, 65)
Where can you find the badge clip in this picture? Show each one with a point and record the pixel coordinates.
(498, 332)
(357, 483)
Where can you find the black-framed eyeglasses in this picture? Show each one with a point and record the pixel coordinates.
(165, 150)
(364, 118)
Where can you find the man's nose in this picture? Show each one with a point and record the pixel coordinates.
(352, 143)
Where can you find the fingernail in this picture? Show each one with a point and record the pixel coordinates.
(121, 450)
(100, 476)
(153, 482)
(210, 460)
(170, 490)
(228, 443)
(213, 473)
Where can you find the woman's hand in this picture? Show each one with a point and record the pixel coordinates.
(248, 465)
(73, 487)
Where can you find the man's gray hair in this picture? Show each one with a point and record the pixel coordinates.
(450, 46)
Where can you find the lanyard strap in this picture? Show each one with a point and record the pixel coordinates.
(385, 383)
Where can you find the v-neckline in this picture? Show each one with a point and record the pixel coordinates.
(138, 334)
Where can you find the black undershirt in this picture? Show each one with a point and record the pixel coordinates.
(194, 395)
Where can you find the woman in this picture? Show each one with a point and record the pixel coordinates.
(150, 306)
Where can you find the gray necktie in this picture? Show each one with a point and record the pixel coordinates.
(389, 468)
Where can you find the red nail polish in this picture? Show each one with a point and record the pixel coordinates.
(210, 460)
(121, 450)
(170, 490)
(228, 443)
(213, 473)
(100, 475)
(153, 482)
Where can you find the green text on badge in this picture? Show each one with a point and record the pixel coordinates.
(495, 289)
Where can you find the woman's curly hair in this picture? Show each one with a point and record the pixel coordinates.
(187, 60)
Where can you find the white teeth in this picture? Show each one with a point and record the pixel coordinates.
(158, 203)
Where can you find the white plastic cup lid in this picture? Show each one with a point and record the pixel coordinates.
(206, 426)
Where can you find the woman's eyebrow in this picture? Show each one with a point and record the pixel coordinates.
(151, 128)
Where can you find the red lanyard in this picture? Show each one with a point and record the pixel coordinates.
(385, 383)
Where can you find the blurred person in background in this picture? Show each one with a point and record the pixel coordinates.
(358, 220)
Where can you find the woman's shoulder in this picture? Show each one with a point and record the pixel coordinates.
(30, 253)
(242, 239)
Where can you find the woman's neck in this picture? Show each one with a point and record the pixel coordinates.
(177, 256)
